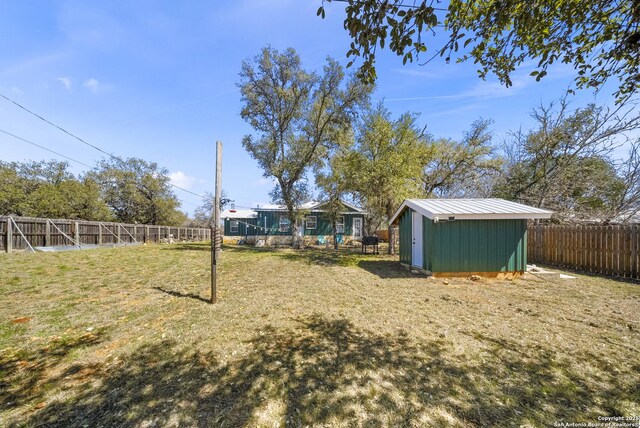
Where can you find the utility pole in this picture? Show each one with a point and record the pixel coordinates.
(216, 236)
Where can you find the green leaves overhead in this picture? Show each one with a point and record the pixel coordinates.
(600, 39)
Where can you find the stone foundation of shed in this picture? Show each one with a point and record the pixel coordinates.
(491, 275)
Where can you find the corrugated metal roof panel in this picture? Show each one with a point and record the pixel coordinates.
(238, 214)
(472, 209)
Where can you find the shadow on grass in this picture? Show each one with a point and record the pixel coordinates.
(23, 371)
(183, 295)
(386, 269)
(324, 257)
(188, 246)
(328, 372)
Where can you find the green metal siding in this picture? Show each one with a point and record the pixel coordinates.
(325, 226)
(243, 228)
(272, 223)
(405, 236)
(478, 246)
(427, 243)
(467, 245)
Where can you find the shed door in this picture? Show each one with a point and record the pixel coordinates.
(416, 240)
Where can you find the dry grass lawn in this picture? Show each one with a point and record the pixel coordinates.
(124, 337)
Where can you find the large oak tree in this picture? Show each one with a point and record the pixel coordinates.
(297, 115)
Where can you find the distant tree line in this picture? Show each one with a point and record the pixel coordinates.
(326, 129)
(129, 191)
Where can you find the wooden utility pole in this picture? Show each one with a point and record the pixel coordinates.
(216, 237)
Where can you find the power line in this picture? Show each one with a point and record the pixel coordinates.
(84, 164)
(44, 148)
(188, 191)
(82, 140)
(59, 127)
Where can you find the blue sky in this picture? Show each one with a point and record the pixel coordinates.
(157, 80)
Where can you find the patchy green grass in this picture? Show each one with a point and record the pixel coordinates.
(125, 337)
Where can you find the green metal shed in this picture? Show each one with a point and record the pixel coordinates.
(459, 237)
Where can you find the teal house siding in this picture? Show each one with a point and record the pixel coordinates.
(324, 224)
(244, 228)
(266, 222)
(270, 220)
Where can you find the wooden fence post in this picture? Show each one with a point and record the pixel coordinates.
(9, 234)
(76, 232)
(47, 234)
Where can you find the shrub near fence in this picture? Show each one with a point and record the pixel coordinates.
(42, 232)
(608, 250)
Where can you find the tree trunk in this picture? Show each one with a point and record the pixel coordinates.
(391, 229)
(335, 235)
(392, 239)
(292, 225)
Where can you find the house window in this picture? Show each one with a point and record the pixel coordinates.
(284, 224)
(312, 221)
(233, 226)
(340, 225)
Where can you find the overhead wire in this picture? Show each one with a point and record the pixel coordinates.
(82, 163)
(56, 126)
(44, 148)
(79, 139)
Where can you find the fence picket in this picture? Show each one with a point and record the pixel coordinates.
(612, 250)
(43, 232)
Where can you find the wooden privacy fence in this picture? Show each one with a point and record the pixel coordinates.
(43, 232)
(607, 250)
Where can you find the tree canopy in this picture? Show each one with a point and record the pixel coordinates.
(131, 191)
(599, 38)
(386, 164)
(48, 189)
(137, 191)
(464, 168)
(297, 115)
(566, 164)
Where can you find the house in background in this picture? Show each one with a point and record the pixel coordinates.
(271, 223)
(461, 237)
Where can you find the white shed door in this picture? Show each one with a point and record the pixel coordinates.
(416, 240)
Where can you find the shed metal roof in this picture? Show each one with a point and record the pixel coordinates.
(471, 209)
